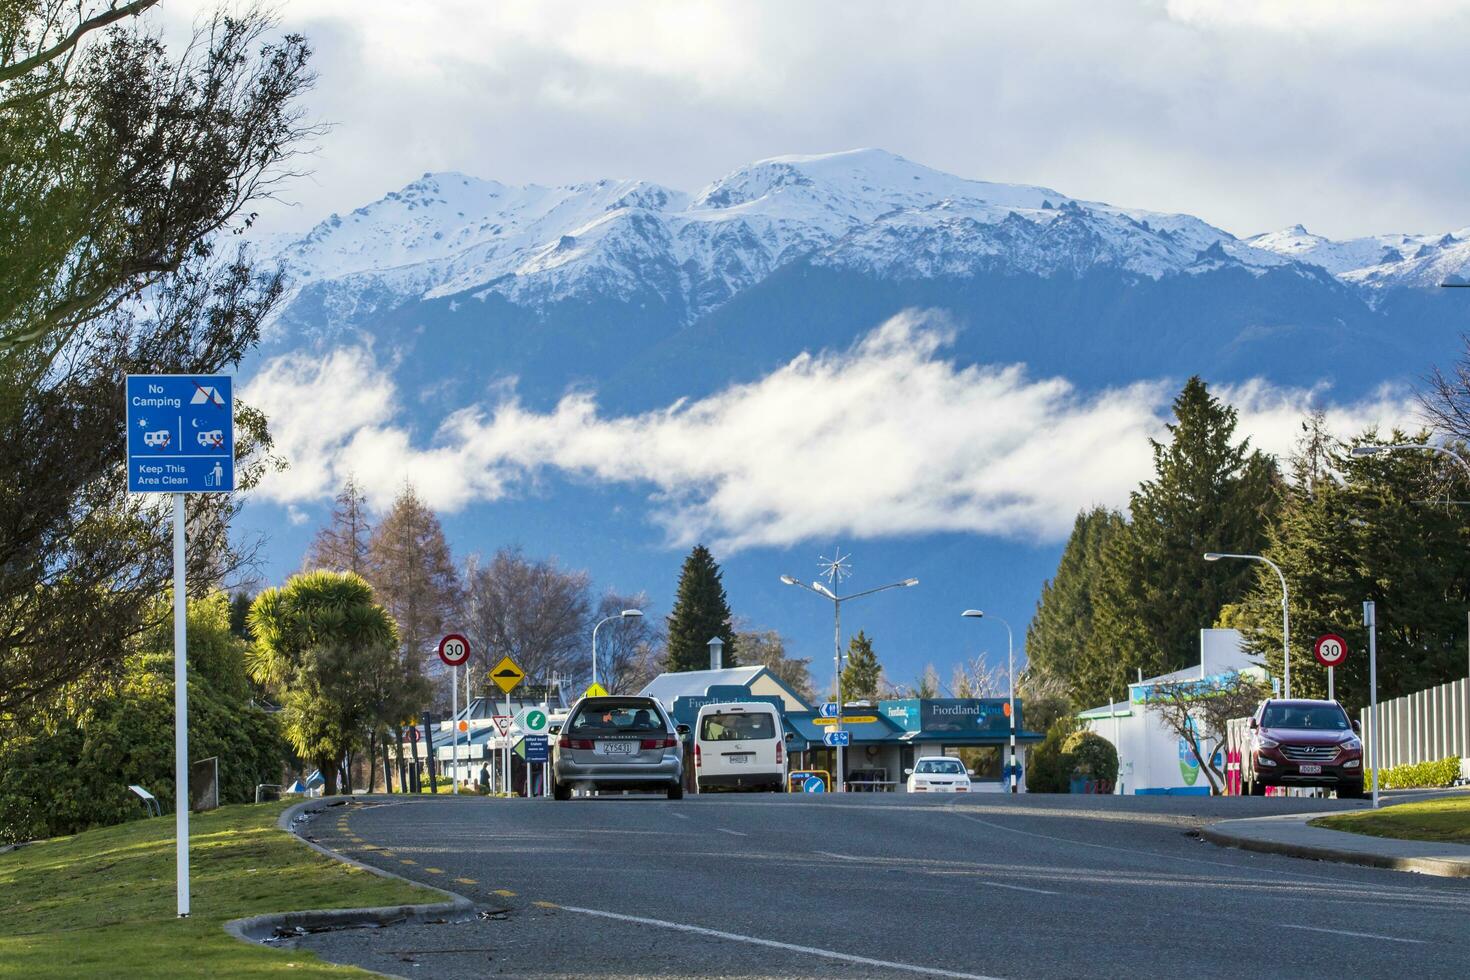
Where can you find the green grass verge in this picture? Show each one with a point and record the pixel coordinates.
(1445, 820)
(101, 904)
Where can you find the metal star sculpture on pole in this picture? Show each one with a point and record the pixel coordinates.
(837, 568)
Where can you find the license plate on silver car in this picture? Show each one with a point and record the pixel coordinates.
(615, 748)
(1310, 770)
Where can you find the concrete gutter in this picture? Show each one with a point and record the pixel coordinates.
(259, 928)
(1290, 834)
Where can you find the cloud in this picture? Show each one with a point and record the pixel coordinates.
(888, 438)
(1253, 114)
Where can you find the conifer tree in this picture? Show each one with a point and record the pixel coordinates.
(701, 612)
(1059, 641)
(412, 574)
(342, 546)
(1209, 493)
(862, 678)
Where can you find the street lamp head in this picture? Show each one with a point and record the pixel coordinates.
(973, 614)
(1213, 556)
(908, 582)
(1368, 450)
(819, 587)
(632, 614)
(789, 580)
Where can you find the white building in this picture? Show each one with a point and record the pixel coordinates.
(1151, 757)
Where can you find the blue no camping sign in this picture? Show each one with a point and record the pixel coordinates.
(181, 433)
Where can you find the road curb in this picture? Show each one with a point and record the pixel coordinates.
(1256, 834)
(255, 929)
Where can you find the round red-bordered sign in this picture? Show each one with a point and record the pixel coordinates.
(454, 650)
(1330, 650)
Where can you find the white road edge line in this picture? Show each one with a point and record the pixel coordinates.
(1360, 935)
(979, 881)
(732, 833)
(682, 816)
(830, 954)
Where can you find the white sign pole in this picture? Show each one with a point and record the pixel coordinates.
(181, 713)
(510, 785)
(454, 725)
(1370, 620)
(1330, 695)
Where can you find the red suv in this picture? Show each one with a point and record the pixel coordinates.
(1305, 743)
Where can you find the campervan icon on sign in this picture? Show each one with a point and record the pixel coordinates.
(158, 438)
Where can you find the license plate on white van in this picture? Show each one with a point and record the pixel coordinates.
(737, 760)
(1307, 769)
(615, 748)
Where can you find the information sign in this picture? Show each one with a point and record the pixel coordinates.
(181, 433)
(837, 738)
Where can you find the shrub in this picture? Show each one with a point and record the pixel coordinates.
(1092, 756)
(1420, 775)
(1049, 768)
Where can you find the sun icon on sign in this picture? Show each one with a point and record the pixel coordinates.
(837, 568)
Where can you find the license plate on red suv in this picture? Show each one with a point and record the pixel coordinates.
(1309, 769)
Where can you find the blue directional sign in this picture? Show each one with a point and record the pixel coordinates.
(837, 738)
(181, 433)
(814, 784)
(829, 710)
(538, 748)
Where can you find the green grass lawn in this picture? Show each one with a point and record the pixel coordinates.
(102, 903)
(1445, 820)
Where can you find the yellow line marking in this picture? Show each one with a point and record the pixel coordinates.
(435, 871)
(467, 881)
(504, 892)
(385, 852)
(407, 861)
(545, 905)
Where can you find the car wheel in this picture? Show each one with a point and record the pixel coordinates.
(676, 791)
(1350, 791)
(561, 791)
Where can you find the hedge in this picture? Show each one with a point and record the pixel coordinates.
(1421, 775)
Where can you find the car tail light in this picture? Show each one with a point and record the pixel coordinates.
(574, 743)
(658, 743)
(779, 760)
(697, 761)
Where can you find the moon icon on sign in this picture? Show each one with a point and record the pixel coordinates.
(194, 423)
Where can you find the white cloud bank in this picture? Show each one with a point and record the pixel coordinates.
(887, 438)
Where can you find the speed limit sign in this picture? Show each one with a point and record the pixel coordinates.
(1330, 650)
(454, 650)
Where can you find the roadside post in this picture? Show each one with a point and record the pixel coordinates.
(506, 675)
(454, 650)
(1370, 620)
(1330, 651)
(180, 439)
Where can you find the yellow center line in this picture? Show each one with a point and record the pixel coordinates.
(467, 881)
(385, 853)
(504, 892)
(435, 871)
(407, 861)
(545, 905)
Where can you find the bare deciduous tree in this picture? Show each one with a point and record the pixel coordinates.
(342, 546)
(1199, 711)
(628, 650)
(533, 611)
(768, 648)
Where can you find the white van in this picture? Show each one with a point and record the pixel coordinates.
(739, 746)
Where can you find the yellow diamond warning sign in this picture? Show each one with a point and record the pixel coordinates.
(507, 674)
(595, 691)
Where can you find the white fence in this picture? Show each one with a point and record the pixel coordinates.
(1422, 727)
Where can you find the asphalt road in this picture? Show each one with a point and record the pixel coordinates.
(882, 886)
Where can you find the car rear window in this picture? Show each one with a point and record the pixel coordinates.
(943, 767)
(617, 718)
(737, 725)
(1323, 717)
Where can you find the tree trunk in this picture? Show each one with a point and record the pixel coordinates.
(387, 766)
(328, 769)
(372, 760)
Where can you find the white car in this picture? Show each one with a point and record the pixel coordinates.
(938, 774)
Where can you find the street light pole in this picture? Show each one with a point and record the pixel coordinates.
(1285, 612)
(1011, 683)
(817, 588)
(625, 614)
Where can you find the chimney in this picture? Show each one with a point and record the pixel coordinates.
(716, 653)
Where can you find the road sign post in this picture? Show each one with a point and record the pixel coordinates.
(1370, 620)
(454, 650)
(1330, 651)
(180, 439)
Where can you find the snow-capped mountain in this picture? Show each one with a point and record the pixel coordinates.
(1378, 261)
(864, 210)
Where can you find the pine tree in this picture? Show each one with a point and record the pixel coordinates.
(1209, 493)
(342, 546)
(412, 574)
(862, 677)
(1059, 641)
(701, 612)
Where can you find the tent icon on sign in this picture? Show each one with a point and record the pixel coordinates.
(206, 394)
